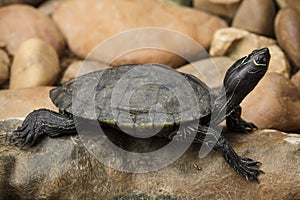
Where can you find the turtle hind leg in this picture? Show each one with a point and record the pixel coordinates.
(235, 123)
(41, 123)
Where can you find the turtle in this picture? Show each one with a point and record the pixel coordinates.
(114, 83)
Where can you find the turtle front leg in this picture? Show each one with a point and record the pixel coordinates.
(245, 167)
(235, 123)
(41, 123)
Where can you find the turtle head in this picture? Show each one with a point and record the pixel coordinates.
(243, 76)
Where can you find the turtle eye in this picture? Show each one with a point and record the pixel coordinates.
(261, 59)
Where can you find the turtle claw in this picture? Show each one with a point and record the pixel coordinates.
(235, 123)
(22, 137)
(248, 168)
(25, 135)
(241, 126)
(248, 127)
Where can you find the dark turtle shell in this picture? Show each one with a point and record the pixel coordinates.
(135, 97)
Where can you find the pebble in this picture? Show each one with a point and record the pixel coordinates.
(4, 66)
(222, 8)
(211, 70)
(257, 17)
(21, 22)
(35, 64)
(237, 43)
(287, 30)
(274, 103)
(106, 18)
(17, 103)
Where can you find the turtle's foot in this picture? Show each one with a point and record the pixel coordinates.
(29, 132)
(235, 123)
(246, 167)
(240, 126)
(40, 123)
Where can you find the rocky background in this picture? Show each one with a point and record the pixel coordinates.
(43, 44)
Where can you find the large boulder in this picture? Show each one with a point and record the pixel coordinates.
(85, 24)
(62, 168)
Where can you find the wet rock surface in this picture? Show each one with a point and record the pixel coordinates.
(61, 168)
(21, 22)
(198, 25)
(35, 64)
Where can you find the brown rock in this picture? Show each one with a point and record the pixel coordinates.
(222, 8)
(21, 22)
(17, 103)
(278, 62)
(67, 165)
(101, 22)
(287, 29)
(179, 2)
(32, 2)
(4, 66)
(274, 103)
(35, 64)
(296, 79)
(237, 43)
(256, 16)
(78, 68)
(289, 3)
(211, 71)
(49, 6)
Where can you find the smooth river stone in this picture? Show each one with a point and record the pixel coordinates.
(287, 29)
(86, 24)
(36, 63)
(19, 23)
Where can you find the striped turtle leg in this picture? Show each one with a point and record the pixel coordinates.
(246, 167)
(235, 123)
(41, 123)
